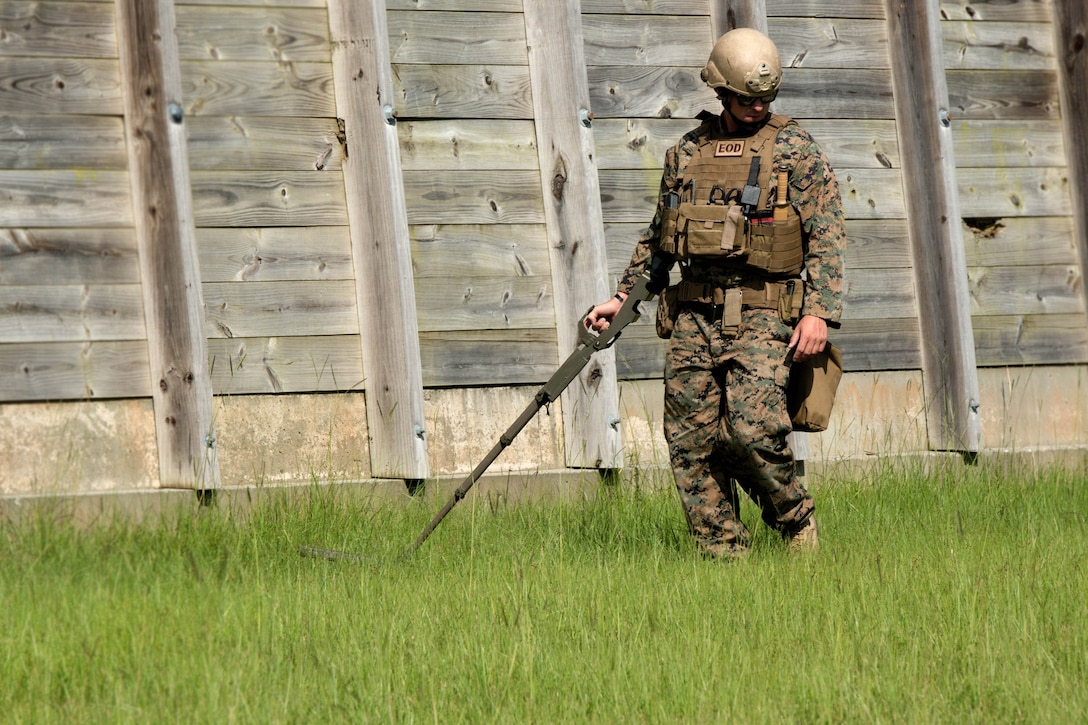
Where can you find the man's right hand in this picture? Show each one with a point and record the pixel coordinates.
(602, 315)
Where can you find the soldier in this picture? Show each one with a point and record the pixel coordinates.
(750, 209)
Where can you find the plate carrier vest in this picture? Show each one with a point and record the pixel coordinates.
(731, 205)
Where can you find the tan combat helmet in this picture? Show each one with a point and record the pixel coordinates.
(744, 61)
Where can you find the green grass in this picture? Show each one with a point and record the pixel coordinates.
(953, 596)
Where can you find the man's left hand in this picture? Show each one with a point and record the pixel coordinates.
(809, 337)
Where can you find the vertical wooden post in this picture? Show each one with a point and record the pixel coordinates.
(1071, 48)
(933, 217)
(726, 15)
(575, 230)
(379, 239)
(169, 272)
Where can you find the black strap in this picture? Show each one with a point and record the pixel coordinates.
(753, 172)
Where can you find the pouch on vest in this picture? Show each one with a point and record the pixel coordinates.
(710, 230)
(811, 392)
(790, 301)
(668, 309)
(777, 247)
(668, 230)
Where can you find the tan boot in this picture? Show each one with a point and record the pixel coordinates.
(806, 538)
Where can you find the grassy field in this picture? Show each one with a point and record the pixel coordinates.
(950, 596)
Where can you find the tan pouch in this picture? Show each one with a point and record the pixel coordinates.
(668, 231)
(710, 230)
(668, 308)
(790, 300)
(776, 247)
(811, 392)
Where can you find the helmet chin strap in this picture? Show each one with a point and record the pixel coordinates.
(736, 123)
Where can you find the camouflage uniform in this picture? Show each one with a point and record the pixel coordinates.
(725, 396)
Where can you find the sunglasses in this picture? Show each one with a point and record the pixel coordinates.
(747, 100)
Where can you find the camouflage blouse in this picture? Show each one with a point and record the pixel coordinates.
(814, 193)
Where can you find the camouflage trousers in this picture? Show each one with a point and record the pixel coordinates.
(726, 422)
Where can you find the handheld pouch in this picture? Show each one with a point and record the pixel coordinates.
(811, 392)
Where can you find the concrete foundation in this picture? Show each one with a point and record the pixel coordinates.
(93, 451)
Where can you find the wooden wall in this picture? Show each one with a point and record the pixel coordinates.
(265, 153)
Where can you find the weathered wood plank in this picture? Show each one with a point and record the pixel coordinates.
(486, 357)
(621, 238)
(618, 91)
(492, 250)
(267, 199)
(462, 91)
(274, 254)
(879, 344)
(998, 45)
(985, 143)
(250, 88)
(74, 370)
(936, 239)
(169, 272)
(68, 256)
(1011, 191)
(852, 43)
(277, 309)
(649, 92)
(572, 210)
(1025, 290)
(646, 40)
(1029, 95)
(877, 244)
(1014, 10)
(52, 29)
(829, 43)
(489, 303)
(60, 85)
(1020, 242)
(274, 3)
(498, 6)
(629, 195)
(381, 248)
(263, 143)
(451, 38)
(473, 197)
(872, 193)
(448, 144)
(255, 365)
(59, 198)
(879, 294)
(651, 7)
(66, 313)
(637, 143)
(640, 353)
(45, 141)
(1050, 339)
(253, 33)
(822, 9)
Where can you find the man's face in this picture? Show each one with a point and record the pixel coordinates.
(745, 110)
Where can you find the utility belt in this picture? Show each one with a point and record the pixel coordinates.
(785, 296)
